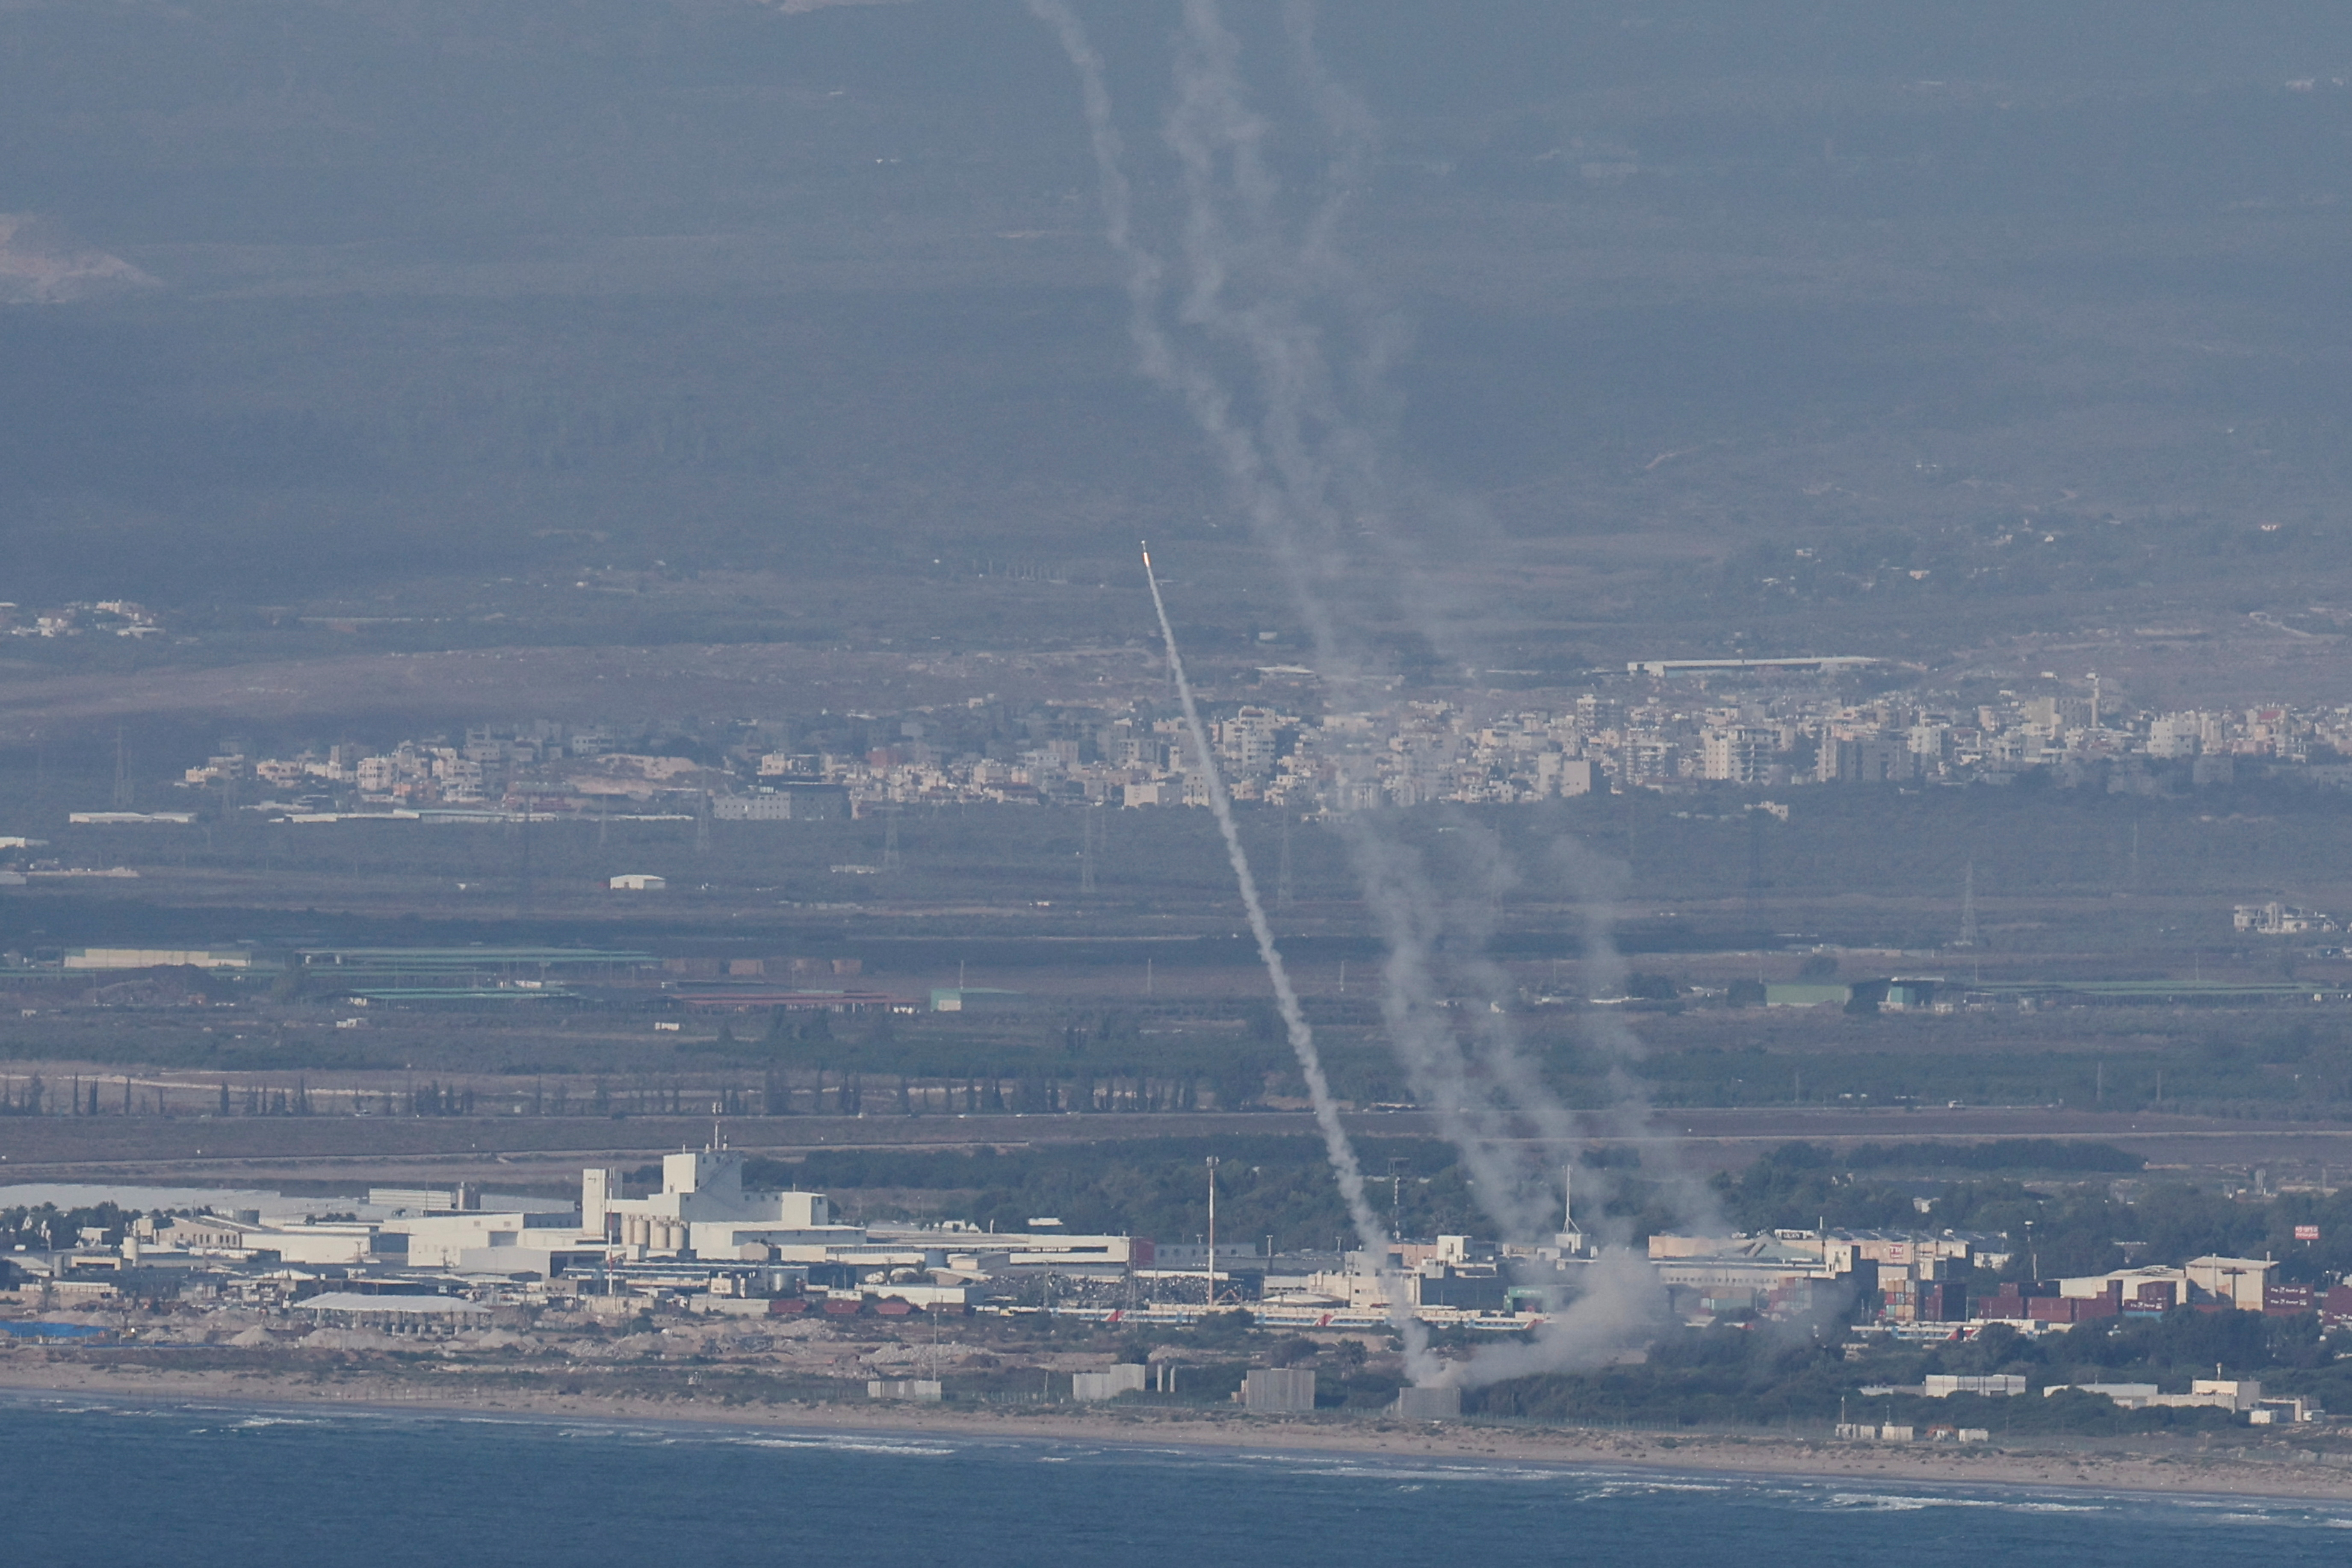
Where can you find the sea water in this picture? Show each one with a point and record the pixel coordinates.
(84, 1482)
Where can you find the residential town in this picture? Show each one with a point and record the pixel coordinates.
(102, 617)
(1660, 732)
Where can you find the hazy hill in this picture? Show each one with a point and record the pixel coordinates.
(2002, 316)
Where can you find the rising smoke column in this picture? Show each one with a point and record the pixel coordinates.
(1257, 312)
(1279, 307)
(1370, 1234)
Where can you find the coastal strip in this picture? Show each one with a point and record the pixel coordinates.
(1761, 1455)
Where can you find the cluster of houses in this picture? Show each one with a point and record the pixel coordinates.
(1663, 725)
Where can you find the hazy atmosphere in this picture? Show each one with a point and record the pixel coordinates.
(1747, 623)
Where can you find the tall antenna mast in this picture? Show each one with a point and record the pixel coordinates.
(1969, 906)
(1213, 1230)
(1336, 1142)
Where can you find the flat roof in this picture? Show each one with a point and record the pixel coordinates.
(405, 1306)
(457, 993)
(463, 957)
(761, 997)
(1692, 665)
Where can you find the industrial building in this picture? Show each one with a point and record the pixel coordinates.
(1109, 1382)
(1278, 1391)
(396, 1314)
(94, 958)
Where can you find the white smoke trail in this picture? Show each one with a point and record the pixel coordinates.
(1157, 353)
(1370, 1233)
(1311, 477)
(1246, 291)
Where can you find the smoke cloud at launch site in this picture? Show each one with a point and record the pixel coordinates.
(1278, 351)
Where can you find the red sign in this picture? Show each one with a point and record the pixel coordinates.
(2306, 1233)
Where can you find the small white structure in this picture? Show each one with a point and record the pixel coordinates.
(1125, 1378)
(2243, 1282)
(1943, 1385)
(1279, 1391)
(500, 1241)
(394, 1314)
(1427, 1405)
(638, 882)
(920, 1390)
(2130, 1396)
(2282, 1411)
(2238, 1393)
(2275, 918)
(320, 1242)
(159, 958)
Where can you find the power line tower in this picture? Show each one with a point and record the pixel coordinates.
(1087, 836)
(121, 773)
(1968, 907)
(890, 836)
(702, 824)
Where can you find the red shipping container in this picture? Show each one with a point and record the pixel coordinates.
(1943, 1301)
(2335, 1307)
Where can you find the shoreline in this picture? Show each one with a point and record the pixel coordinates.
(1760, 1456)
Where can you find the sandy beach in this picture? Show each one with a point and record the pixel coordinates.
(2278, 1469)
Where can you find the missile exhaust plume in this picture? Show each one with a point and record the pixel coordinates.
(1278, 351)
(1370, 1234)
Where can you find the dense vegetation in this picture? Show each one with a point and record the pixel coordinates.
(2077, 1225)
(1277, 1187)
(1732, 1376)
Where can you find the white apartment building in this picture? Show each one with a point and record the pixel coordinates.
(1739, 756)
